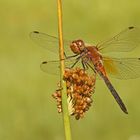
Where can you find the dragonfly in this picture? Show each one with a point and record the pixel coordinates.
(92, 58)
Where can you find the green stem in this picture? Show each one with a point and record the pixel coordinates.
(62, 68)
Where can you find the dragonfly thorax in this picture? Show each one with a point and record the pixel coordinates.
(77, 46)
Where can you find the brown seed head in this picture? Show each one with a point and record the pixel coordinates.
(80, 87)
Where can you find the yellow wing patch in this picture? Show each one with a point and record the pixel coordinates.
(110, 66)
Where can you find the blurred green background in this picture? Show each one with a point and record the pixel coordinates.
(27, 110)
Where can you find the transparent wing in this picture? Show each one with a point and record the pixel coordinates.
(53, 67)
(122, 68)
(125, 41)
(50, 67)
(49, 42)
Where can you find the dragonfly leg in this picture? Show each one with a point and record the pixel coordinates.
(84, 65)
(88, 65)
(67, 57)
(75, 62)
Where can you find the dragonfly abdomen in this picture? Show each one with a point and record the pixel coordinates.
(113, 92)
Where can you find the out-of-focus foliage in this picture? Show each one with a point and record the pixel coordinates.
(27, 110)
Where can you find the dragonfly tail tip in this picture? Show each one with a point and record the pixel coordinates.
(125, 111)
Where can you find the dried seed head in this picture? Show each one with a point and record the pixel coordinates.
(80, 87)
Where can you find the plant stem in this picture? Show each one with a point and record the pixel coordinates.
(66, 120)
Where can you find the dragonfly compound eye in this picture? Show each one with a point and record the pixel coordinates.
(77, 46)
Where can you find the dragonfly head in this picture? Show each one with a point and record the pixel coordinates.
(77, 46)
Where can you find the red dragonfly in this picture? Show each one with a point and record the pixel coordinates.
(91, 57)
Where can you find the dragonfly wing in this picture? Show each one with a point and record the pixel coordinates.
(125, 41)
(50, 67)
(122, 68)
(53, 67)
(49, 42)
